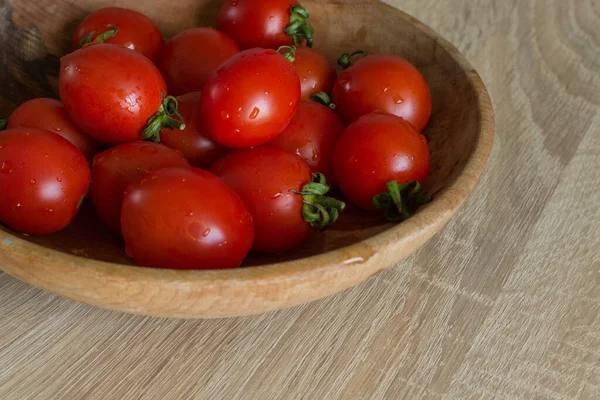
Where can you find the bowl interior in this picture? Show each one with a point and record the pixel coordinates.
(37, 33)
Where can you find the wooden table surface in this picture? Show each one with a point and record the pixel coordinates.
(503, 303)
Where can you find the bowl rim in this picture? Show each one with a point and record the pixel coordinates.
(307, 269)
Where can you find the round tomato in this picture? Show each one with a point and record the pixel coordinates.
(250, 99)
(121, 165)
(185, 218)
(312, 135)
(378, 149)
(193, 142)
(115, 95)
(43, 179)
(192, 56)
(276, 187)
(383, 83)
(265, 23)
(314, 70)
(50, 114)
(123, 27)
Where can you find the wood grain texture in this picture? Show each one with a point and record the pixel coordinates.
(85, 263)
(504, 303)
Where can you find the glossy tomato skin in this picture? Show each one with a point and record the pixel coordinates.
(256, 24)
(110, 92)
(312, 135)
(265, 178)
(114, 169)
(185, 218)
(315, 72)
(50, 114)
(250, 99)
(374, 150)
(193, 142)
(136, 31)
(383, 83)
(192, 56)
(43, 178)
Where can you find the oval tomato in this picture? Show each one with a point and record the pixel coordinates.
(121, 165)
(383, 83)
(43, 179)
(315, 72)
(312, 135)
(133, 30)
(276, 187)
(376, 149)
(114, 94)
(193, 142)
(251, 99)
(185, 218)
(50, 114)
(192, 56)
(268, 23)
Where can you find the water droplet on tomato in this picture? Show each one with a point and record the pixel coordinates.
(183, 180)
(315, 155)
(143, 170)
(49, 210)
(57, 129)
(32, 181)
(234, 3)
(58, 179)
(239, 109)
(255, 113)
(267, 92)
(277, 195)
(398, 99)
(237, 130)
(6, 167)
(197, 230)
(271, 17)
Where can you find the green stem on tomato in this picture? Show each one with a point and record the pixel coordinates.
(318, 210)
(299, 28)
(345, 60)
(323, 98)
(400, 201)
(101, 38)
(3, 123)
(290, 54)
(167, 117)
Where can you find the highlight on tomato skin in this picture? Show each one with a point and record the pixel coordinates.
(50, 114)
(375, 149)
(125, 27)
(114, 169)
(192, 56)
(43, 179)
(185, 218)
(383, 83)
(193, 142)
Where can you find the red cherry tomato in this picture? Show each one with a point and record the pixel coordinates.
(134, 31)
(315, 71)
(193, 142)
(269, 181)
(121, 165)
(50, 114)
(383, 83)
(374, 150)
(185, 218)
(265, 23)
(251, 99)
(312, 135)
(192, 56)
(112, 93)
(43, 178)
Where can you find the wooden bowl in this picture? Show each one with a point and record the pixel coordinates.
(87, 264)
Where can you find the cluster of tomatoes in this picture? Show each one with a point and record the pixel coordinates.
(244, 157)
